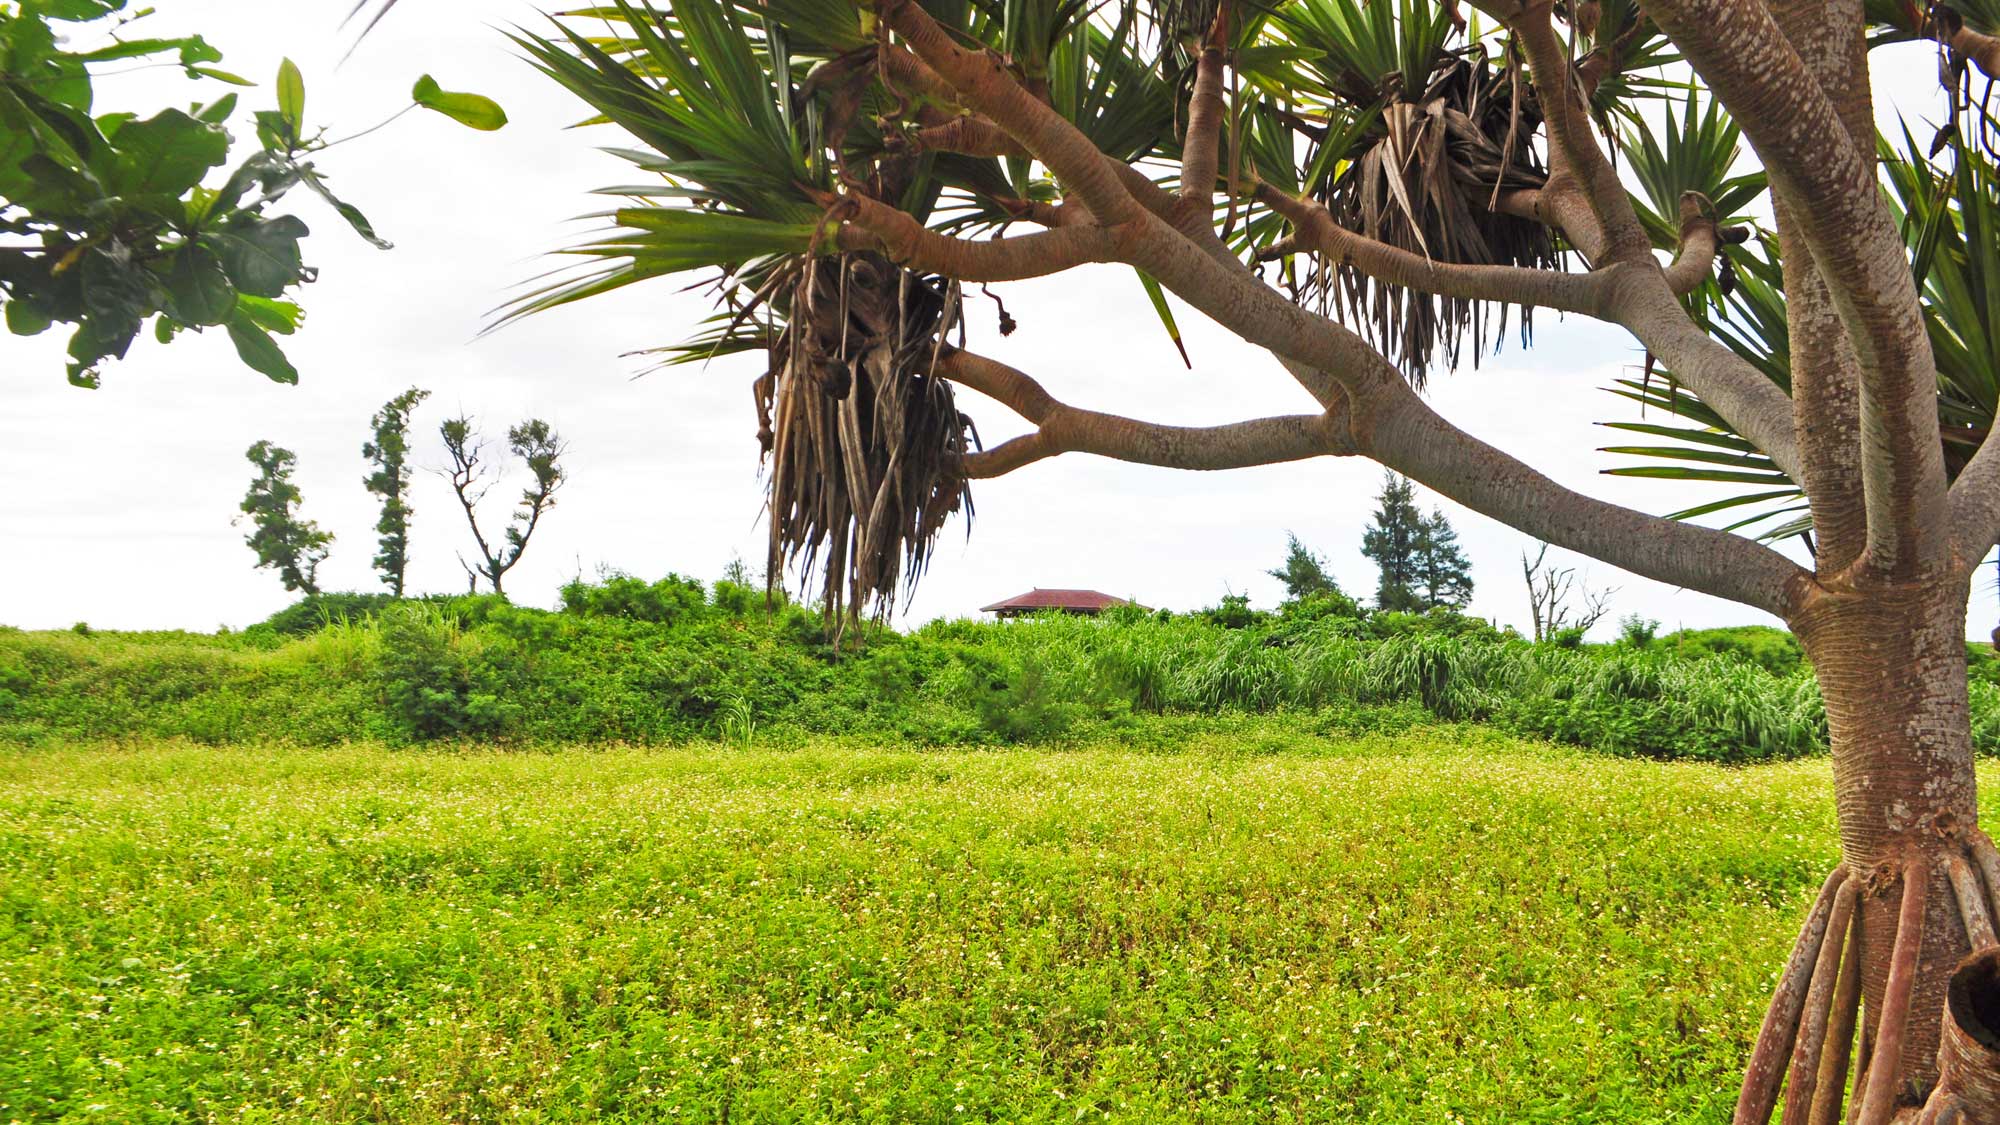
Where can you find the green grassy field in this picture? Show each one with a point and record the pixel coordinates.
(1439, 926)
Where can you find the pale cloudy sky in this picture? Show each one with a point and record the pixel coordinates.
(121, 508)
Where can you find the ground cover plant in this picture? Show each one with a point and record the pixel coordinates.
(1441, 924)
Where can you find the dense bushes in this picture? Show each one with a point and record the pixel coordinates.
(626, 660)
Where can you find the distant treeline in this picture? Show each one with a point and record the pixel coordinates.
(625, 660)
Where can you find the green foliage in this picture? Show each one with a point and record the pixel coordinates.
(435, 680)
(311, 614)
(1218, 933)
(1444, 574)
(670, 601)
(118, 226)
(1773, 649)
(1391, 540)
(739, 724)
(388, 448)
(1303, 573)
(469, 110)
(1635, 631)
(630, 661)
(1234, 612)
(284, 541)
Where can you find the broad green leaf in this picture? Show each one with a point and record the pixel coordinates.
(116, 288)
(165, 154)
(281, 317)
(24, 319)
(78, 11)
(260, 352)
(292, 97)
(196, 50)
(261, 256)
(201, 292)
(95, 341)
(470, 110)
(218, 111)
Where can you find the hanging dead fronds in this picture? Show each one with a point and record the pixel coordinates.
(862, 443)
(1423, 179)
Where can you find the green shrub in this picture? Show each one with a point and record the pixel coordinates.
(434, 681)
(1018, 701)
(1635, 631)
(315, 611)
(669, 601)
(1774, 650)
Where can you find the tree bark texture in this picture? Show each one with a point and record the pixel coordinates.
(1917, 876)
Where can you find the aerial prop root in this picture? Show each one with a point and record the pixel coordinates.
(1968, 1089)
(1807, 1041)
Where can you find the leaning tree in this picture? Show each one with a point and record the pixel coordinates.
(1369, 191)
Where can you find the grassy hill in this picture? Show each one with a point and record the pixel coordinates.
(626, 661)
(1438, 925)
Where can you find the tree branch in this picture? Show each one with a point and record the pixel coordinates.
(967, 134)
(1829, 183)
(1200, 149)
(1010, 387)
(1411, 438)
(1572, 146)
(1381, 414)
(873, 225)
(1747, 399)
(1826, 396)
(1584, 293)
(1061, 428)
(1975, 506)
(1701, 241)
(1981, 48)
(1563, 206)
(1389, 423)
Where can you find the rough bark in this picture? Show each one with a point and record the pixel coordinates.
(1891, 665)
(1825, 369)
(1969, 1055)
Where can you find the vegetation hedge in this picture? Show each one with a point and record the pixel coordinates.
(629, 661)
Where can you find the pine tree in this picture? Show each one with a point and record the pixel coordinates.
(1392, 541)
(1304, 573)
(389, 450)
(285, 543)
(1444, 576)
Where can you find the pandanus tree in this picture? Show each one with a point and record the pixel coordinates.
(1367, 192)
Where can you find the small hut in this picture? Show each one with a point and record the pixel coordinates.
(1084, 603)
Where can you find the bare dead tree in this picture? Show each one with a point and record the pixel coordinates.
(1549, 590)
(538, 448)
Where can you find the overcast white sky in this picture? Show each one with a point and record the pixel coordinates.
(121, 508)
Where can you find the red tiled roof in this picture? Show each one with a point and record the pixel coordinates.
(1055, 599)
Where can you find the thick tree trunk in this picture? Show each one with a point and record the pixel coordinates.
(1891, 667)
